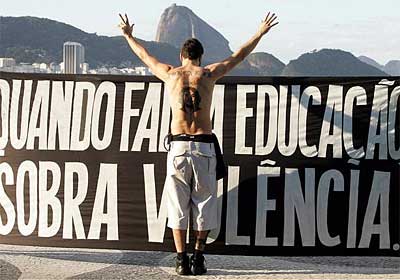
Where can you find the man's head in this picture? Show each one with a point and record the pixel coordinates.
(192, 50)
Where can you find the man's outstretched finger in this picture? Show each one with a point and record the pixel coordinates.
(271, 18)
(275, 24)
(123, 20)
(266, 17)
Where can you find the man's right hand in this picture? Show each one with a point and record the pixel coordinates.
(126, 28)
(267, 24)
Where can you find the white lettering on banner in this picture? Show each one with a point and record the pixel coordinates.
(107, 183)
(378, 118)
(83, 101)
(303, 207)
(217, 113)
(264, 205)
(272, 127)
(48, 118)
(5, 201)
(290, 148)
(19, 126)
(48, 198)
(60, 115)
(128, 113)
(39, 112)
(338, 118)
(333, 110)
(37, 115)
(322, 205)
(72, 214)
(353, 209)
(296, 204)
(165, 120)
(242, 113)
(105, 89)
(314, 93)
(156, 220)
(232, 238)
(379, 195)
(84, 95)
(72, 116)
(151, 108)
(393, 105)
(29, 168)
(360, 96)
(4, 112)
(34, 182)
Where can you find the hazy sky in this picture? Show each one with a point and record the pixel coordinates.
(363, 27)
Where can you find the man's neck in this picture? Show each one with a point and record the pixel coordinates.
(188, 62)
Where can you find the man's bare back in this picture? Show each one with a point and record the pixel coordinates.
(190, 90)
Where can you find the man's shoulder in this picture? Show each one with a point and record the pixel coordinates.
(206, 72)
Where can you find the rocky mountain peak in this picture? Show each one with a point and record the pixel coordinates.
(178, 23)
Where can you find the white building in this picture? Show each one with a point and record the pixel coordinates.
(141, 70)
(85, 68)
(7, 64)
(25, 68)
(55, 67)
(44, 67)
(73, 57)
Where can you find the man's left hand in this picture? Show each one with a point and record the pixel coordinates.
(125, 26)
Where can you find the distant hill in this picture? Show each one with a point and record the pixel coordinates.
(266, 64)
(31, 39)
(393, 67)
(371, 62)
(329, 62)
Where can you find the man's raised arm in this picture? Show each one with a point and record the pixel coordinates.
(159, 69)
(219, 69)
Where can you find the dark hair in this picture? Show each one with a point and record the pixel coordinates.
(192, 49)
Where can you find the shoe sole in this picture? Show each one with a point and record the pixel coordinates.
(194, 272)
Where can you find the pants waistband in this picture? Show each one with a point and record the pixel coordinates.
(205, 138)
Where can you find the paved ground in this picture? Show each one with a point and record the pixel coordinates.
(26, 262)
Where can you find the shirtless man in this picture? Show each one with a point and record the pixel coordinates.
(191, 178)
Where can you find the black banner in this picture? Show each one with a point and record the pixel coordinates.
(313, 164)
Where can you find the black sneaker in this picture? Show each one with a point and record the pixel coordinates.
(182, 266)
(197, 265)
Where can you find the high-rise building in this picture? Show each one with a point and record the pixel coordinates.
(73, 57)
